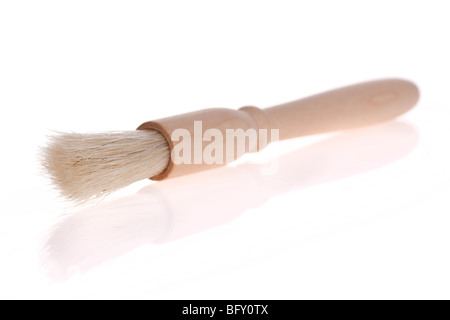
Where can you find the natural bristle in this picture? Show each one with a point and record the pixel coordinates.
(86, 166)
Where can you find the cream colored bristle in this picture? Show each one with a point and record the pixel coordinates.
(87, 166)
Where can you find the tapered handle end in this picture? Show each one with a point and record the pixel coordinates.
(344, 108)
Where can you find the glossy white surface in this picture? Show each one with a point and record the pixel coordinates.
(357, 214)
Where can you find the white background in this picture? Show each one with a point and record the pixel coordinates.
(361, 214)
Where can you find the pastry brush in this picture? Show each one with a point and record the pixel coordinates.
(84, 166)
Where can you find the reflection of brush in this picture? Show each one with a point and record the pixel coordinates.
(85, 166)
(168, 211)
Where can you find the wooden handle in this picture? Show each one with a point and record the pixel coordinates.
(349, 107)
(354, 106)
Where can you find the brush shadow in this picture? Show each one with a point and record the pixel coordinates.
(172, 209)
